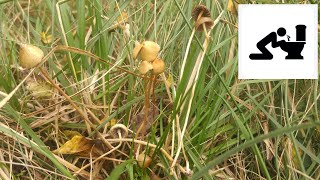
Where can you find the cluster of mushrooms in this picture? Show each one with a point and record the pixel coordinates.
(30, 56)
(148, 51)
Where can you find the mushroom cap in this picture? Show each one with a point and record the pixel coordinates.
(30, 55)
(205, 17)
(207, 21)
(119, 127)
(198, 9)
(158, 66)
(145, 66)
(149, 51)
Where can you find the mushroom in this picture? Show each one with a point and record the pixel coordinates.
(149, 51)
(158, 66)
(30, 55)
(202, 16)
(119, 131)
(198, 9)
(144, 67)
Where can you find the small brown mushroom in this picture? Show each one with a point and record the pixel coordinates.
(119, 131)
(202, 16)
(197, 11)
(206, 21)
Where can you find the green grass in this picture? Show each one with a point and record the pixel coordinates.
(241, 129)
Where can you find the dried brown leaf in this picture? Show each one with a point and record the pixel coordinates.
(137, 119)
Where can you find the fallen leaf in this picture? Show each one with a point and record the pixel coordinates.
(70, 134)
(138, 119)
(39, 89)
(112, 122)
(80, 146)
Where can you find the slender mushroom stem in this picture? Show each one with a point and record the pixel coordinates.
(180, 138)
(153, 95)
(188, 47)
(145, 109)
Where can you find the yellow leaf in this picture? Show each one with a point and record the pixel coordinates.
(169, 80)
(113, 122)
(39, 89)
(46, 39)
(78, 144)
(69, 134)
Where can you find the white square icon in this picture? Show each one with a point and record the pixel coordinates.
(278, 41)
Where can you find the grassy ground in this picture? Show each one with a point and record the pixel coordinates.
(201, 121)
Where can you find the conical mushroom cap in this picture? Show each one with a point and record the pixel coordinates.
(198, 9)
(149, 51)
(30, 55)
(202, 16)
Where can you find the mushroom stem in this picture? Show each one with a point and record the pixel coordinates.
(119, 133)
(153, 96)
(191, 84)
(146, 108)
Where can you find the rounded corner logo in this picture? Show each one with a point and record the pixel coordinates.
(278, 42)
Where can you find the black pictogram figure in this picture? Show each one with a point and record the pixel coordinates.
(293, 49)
